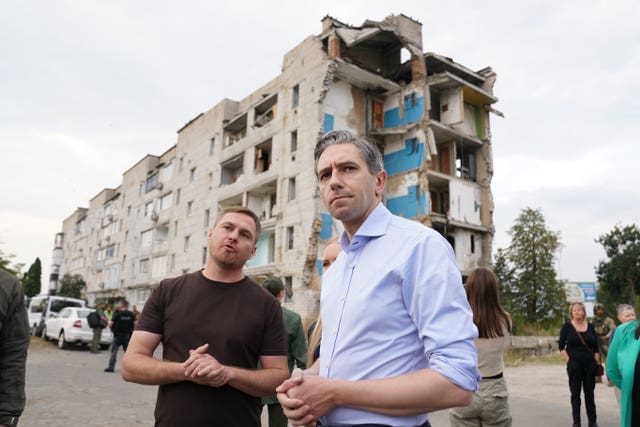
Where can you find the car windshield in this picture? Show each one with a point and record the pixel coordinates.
(58, 305)
(82, 314)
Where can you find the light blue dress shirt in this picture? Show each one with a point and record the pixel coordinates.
(393, 303)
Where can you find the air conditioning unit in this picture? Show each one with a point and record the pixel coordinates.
(107, 238)
(160, 186)
(154, 216)
(101, 285)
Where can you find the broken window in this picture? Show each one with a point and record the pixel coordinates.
(263, 156)
(232, 170)
(295, 96)
(466, 163)
(261, 200)
(235, 130)
(439, 201)
(442, 161)
(266, 111)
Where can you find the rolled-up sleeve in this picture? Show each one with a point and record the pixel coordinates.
(438, 306)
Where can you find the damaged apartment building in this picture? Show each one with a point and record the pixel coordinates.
(428, 114)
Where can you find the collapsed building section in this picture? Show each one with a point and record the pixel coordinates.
(430, 117)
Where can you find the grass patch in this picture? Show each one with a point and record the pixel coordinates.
(517, 357)
(37, 342)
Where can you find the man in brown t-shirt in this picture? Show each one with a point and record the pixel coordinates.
(214, 325)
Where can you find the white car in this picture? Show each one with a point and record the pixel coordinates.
(70, 326)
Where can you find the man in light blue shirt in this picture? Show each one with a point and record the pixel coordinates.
(398, 332)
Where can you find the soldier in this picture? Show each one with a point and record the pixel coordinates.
(603, 326)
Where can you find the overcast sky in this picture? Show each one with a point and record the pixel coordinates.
(87, 88)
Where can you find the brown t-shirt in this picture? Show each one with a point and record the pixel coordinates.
(240, 321)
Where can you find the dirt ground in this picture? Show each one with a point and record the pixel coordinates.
(539, 396)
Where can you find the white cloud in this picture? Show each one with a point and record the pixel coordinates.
(90, 88)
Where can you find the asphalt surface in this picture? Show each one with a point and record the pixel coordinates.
(69, 388)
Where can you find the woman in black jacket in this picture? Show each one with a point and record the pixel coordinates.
(579, 345)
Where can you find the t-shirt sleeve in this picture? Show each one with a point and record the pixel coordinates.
(152, 314)
(274, 342)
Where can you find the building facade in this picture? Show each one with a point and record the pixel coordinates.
(428, 114)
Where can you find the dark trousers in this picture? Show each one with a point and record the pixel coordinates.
(582, 374)
(118, 340)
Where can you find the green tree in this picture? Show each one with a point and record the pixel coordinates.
(530, 290)
(32, 279)
(72, 286)
(7, 264)
(619, 275)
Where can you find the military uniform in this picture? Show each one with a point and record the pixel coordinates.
(14, 341)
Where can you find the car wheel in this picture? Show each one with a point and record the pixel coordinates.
(62, 343)
(43, 334)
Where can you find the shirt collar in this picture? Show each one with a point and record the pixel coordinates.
(375, 225)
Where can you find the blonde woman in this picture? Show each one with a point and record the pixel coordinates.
(490, 406)
(579, 345)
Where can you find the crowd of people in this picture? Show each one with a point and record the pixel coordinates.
(394, 340)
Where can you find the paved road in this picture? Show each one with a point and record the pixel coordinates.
(69, 388)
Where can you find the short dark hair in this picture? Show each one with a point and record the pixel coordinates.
(245, 211)
(369, 151)
(274, 285)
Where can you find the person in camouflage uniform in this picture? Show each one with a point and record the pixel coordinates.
(296, 348)
(603, 325)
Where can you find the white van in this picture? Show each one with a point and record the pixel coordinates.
(42, 307)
